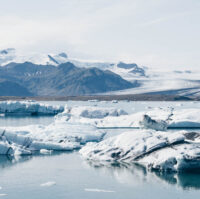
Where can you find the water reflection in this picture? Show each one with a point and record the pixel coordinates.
(136, 175)
(25, 120)
(8, 161)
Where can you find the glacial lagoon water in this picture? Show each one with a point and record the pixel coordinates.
(67, 175)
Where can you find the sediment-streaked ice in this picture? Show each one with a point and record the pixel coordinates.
(153, 149)
(28, 108)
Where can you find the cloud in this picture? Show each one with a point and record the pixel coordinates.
(164, 19)
(135, 30)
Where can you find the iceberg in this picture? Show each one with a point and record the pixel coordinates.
(159, 150)
(158, 118)
(112, 117)
(181, 118)
(185, 118)
(88, 114)
(28, 108)
(56, 136)
(93, 112)
(149, 123)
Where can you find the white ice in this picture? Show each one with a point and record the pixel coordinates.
(98, 190)
(56, 136)
(29, 108)
(48, 184)
(157, 118)
(153, 149)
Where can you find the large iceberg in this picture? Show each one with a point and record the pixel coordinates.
(166, 151)
(56, 136)
(28, 108)
(112, 117)
(157, 119)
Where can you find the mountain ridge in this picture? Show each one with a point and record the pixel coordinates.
(64, 80)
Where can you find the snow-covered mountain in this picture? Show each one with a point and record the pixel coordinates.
(151, 80)
(126, 71)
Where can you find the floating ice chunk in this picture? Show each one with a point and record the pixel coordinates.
(45, 151)
(98, 190)
(153, 149)
(29, 108)
(93, 100)
(148, 123)
(48, 184)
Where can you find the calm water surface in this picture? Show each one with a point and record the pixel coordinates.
(74, 178)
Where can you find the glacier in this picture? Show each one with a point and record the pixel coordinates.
(28, 108)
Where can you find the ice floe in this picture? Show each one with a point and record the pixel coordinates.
(28, 108)
(153, 149)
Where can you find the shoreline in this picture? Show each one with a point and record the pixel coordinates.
(130, 97)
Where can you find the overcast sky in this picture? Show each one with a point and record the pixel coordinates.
(156, 33)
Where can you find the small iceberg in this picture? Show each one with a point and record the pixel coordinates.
(28, 108)
(48, 184)
(88, 114)
(148, 123)
(93, 112)
(98, 190)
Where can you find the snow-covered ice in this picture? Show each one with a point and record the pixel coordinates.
(56, 136)
(29, 108)
(149, 123)
(92, 112)
(153, 149)
(155, 118)
(88, 114)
